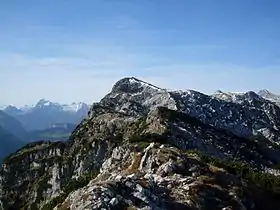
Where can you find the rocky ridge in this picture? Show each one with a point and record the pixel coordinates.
(270, 96)
(143, 147)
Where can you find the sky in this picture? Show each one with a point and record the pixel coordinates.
(69, 50)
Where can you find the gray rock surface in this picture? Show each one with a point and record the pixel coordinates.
(141, 148)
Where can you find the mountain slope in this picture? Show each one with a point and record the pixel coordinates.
(8, 143)
(252, 116)
(57, 132)
(142, 146)
(12, 125)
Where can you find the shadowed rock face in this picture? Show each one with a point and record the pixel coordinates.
(143, 147)
(8, 143)
(11, 125)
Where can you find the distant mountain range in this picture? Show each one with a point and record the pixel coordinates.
(46, 113)
(74, 107)
(45, 121)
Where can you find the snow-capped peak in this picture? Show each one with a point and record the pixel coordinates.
(218, 92)
(266, 94)
(237, 97)
(75, 107)
(269, 95)
(134, 80)
(43, 103)
(133, 85)
(2, 107)
(46, 104)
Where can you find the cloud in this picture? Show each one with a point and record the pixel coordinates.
(68, 66)
(82, 77)
(26, 79)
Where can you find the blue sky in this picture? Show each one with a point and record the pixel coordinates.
(76, 50)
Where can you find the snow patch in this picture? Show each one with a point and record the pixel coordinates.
(74, 107)
(142, 83)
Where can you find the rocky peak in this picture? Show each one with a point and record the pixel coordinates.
(46, 105)
(218, 92)
(270, 96)
(12, 109)
(135, 97)
(265, 93)
(230, 111)
(43, 102)
(132, 85)
(252, 95)
(144, 147)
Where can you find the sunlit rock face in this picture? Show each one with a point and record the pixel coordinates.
(144, 147)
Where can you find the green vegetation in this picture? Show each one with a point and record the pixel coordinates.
(55, 135)
(172, 116)
(31, 148)
(264, 181)
(50, 135)
(73, 185)
(42, 186)
(137, 139)
(144, 140)
(142, 145)
(277, 166)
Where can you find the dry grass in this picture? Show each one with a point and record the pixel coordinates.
(135, 162)
(64, 206)
(131, 208)
(218, 187)
(85, 196)
(205, 179)
(215, 169)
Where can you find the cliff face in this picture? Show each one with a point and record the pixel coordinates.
(143, 147)
(34, 174)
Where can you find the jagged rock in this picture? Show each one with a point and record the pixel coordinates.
(173, 189)
(245, 114)
(134, 152)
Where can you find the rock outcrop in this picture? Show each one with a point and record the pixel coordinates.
(143, 147)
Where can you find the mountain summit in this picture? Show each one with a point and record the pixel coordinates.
(43, 102)
(143, 147)
(267, 94)
(133, 85)
(270, 96)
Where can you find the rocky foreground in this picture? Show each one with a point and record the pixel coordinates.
(143, 147)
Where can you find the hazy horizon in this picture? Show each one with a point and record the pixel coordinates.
(91, 102)
(74, 51)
